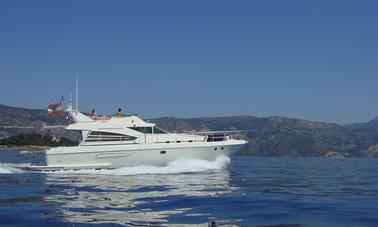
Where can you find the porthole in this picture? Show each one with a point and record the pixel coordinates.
(222, 148)
(215, 149)
(163, 152)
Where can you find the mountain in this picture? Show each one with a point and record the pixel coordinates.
(16, 116)
(270, 136)
(369, 128)
(15, 120)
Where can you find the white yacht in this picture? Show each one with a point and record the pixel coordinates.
(131, 141)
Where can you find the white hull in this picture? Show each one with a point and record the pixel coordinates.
(115, 156)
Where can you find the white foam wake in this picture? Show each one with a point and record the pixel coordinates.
(9, 168)
(178, 166)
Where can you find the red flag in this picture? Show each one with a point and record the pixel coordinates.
(55, 110)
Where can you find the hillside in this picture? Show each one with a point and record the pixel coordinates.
(15, 120)
(369, 128)
(270, 136)
(15, 116)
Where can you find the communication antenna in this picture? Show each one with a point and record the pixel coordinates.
(77, 92)
(71, 99)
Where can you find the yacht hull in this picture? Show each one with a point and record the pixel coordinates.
(116, 156)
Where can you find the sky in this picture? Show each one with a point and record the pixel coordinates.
(315, 60)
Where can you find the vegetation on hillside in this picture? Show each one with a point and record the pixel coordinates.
(37, 140)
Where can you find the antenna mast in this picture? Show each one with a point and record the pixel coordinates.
(77, 92)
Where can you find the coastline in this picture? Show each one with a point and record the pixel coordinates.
(24, 148)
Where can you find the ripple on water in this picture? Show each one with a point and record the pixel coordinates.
(250, 191)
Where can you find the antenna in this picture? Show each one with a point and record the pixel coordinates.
(77, 92)
(71, 99)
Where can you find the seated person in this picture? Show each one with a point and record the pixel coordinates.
(118, 113)
(94, 116)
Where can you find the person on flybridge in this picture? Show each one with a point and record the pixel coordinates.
(95, 116)
(118, 113)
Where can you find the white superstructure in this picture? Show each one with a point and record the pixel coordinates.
(130, 141)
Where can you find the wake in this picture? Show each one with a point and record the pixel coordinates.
(9, 168)
(183, 165)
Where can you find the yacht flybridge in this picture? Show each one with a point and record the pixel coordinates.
(131, 141)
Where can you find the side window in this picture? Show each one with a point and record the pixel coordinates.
(148, 130)
(139, 129)
(108, 136)
(159, 131)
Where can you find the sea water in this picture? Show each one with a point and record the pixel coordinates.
(243, 191)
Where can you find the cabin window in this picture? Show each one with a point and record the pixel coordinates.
(96, 136)
(148, 130)
(145, 130)
(159, 131)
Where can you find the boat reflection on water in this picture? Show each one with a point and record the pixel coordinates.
(138, 196)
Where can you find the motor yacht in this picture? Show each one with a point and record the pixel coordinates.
(130, 141)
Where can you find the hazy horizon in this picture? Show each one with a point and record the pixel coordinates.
(310, 60)
(109, 113)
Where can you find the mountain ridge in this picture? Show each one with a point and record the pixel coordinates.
(267, 136)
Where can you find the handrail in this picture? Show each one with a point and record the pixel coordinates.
(209, 136)
(233, 134)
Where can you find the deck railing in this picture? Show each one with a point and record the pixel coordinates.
(211, 136)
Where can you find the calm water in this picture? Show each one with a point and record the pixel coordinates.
(249, 191)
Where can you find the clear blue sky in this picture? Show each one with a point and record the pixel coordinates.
(316, 60)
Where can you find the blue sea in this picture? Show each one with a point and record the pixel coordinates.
(241, 191)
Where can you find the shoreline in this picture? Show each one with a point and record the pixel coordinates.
(24, 148)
